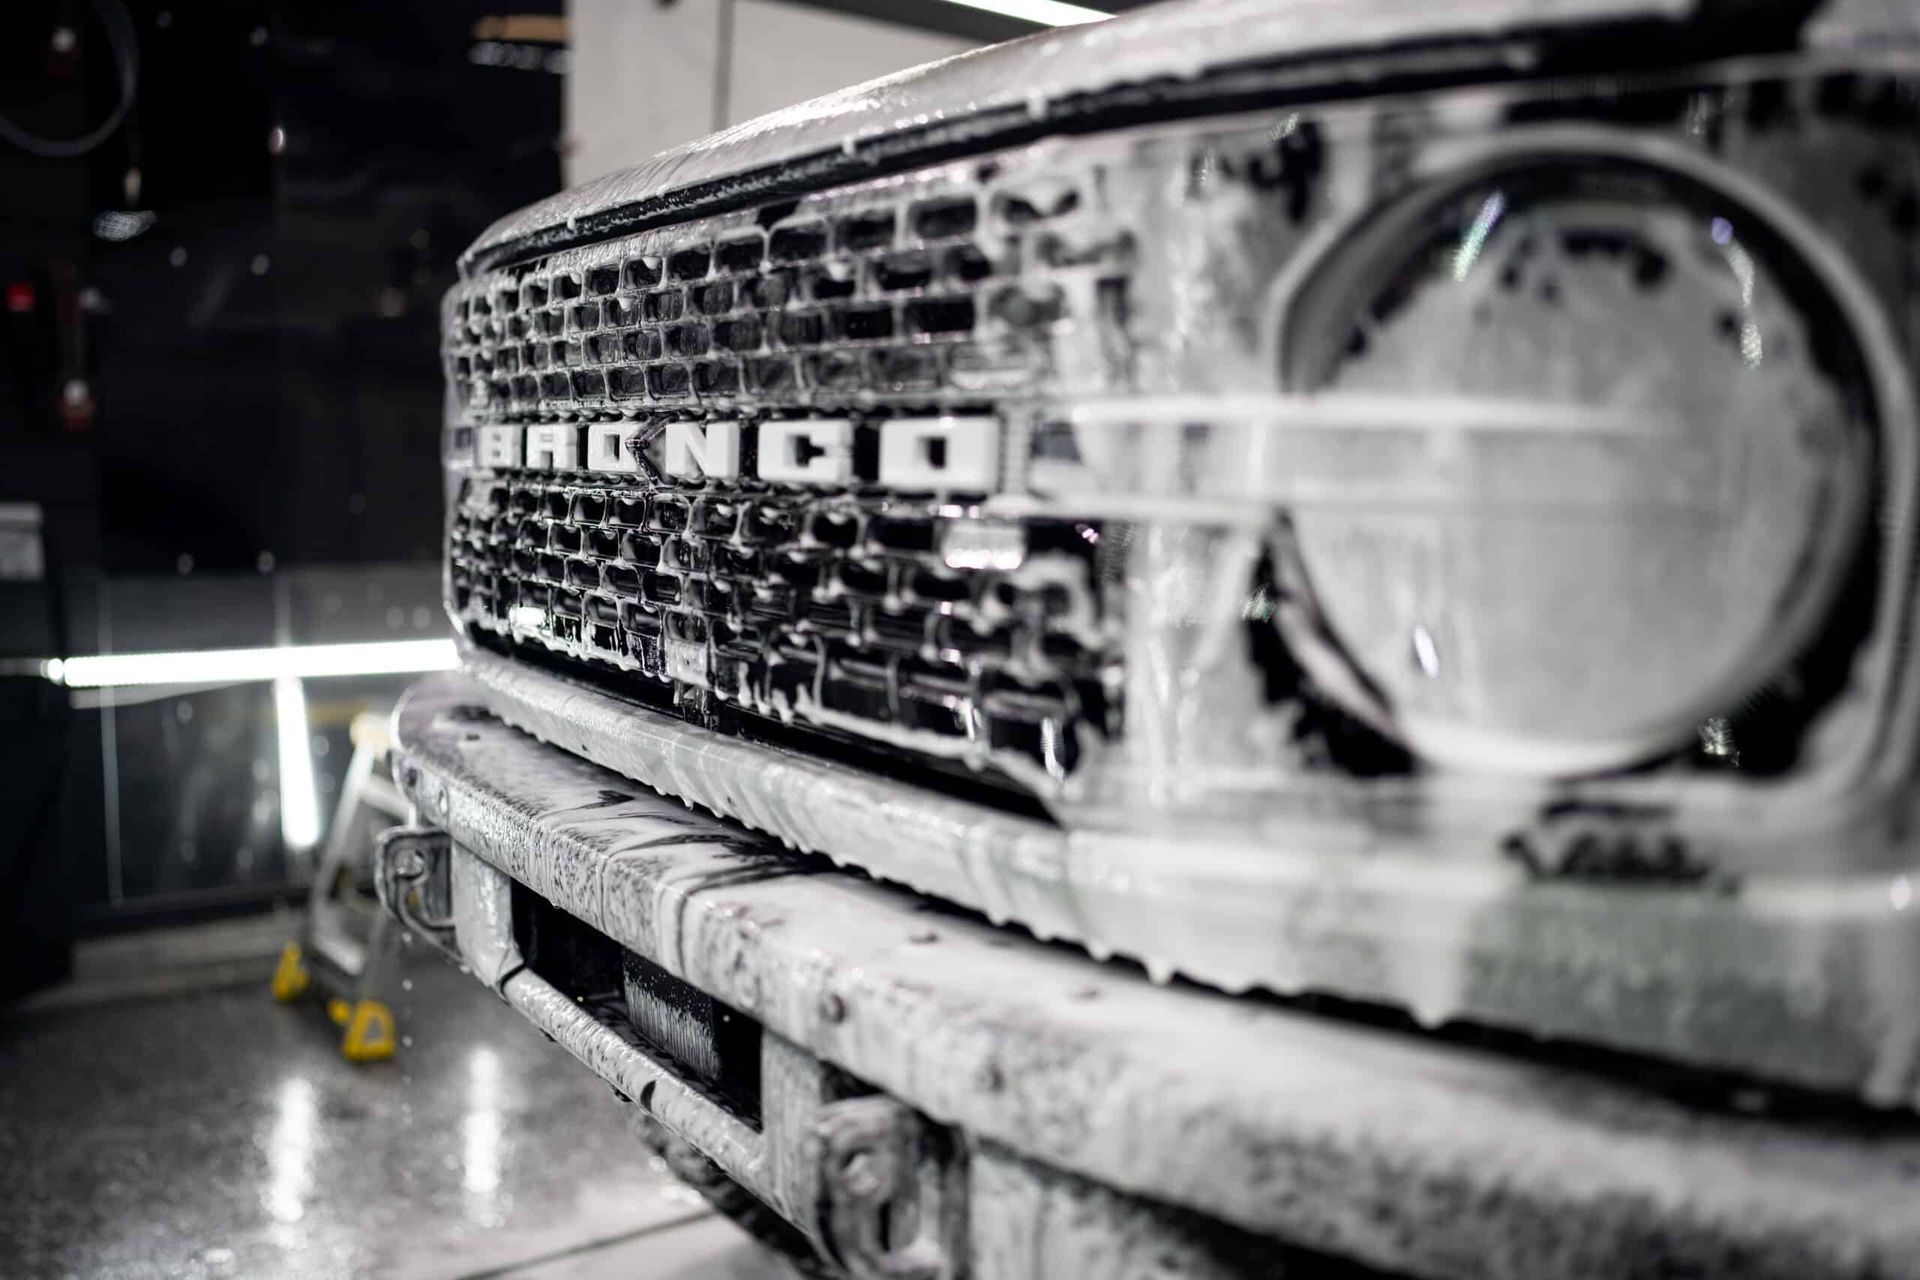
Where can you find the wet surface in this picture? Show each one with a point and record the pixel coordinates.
(213, 1133)
(1351, 1137)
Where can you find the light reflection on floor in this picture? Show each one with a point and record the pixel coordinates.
(289, 1146)
(213, 1133)
(480, 1132)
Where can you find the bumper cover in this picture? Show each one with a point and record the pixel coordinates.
(1092, 1116)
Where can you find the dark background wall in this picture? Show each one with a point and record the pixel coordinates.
(219, 384)
(264, 353)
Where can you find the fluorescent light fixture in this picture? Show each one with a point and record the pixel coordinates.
(236, 666)
(299, 797)
(1048, 13)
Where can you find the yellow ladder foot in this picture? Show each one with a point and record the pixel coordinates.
(290, 976)
(369, 1035)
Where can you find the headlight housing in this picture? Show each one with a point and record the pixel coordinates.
(1638, 457)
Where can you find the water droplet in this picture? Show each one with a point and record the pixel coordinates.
(1426, 654)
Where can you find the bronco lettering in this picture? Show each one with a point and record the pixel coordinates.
(931, 453)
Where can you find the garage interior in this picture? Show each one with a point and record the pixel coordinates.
(245, 884)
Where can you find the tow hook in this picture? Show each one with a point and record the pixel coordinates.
(891, 1208)
(412, 872)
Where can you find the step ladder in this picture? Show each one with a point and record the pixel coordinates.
(348, 948)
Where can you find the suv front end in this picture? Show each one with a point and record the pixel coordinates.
(1408, 504)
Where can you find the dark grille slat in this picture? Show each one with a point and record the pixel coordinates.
(768, 585)
(900, 281)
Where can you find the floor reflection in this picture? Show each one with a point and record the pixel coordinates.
(214, 1133)
(290, 1152)
(480, 1130)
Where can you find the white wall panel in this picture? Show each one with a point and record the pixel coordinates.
(645, 75)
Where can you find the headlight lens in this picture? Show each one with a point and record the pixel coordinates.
(1666, 520)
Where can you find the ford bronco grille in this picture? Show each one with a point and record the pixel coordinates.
(870, 611)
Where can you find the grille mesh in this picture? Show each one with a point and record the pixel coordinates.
(901, 298)
(843, 614)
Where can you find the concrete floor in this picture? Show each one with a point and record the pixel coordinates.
(162, 1117)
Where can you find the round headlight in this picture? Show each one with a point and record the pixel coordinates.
(1630, 459)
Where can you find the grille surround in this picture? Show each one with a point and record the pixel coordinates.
(940, 295)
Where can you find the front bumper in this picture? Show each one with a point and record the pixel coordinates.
(1812, 980)
(1015, 1109)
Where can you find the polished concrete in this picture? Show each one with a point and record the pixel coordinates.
(162, 1117)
